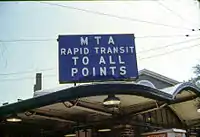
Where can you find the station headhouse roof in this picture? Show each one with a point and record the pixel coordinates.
(158, 76)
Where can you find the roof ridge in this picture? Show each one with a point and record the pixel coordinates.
(159, 76)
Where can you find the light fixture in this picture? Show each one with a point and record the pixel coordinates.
(198, 110)
(148, 119)
(111, 100)
(104, 130)
(13, 118)
(70, 135)
(198, 106)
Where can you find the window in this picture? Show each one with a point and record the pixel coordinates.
(146, 83)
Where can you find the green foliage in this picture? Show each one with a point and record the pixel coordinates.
(196, 79)
(197, 70)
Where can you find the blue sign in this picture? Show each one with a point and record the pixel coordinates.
(86, 58)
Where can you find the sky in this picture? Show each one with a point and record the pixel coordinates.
(29, 32)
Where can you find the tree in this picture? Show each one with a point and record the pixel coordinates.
(196, 79)
(197, 70)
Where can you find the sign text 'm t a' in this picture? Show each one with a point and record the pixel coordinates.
(86, 58)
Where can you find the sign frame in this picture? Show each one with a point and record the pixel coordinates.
(97, 80)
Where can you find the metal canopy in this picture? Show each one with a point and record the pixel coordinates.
(64, 108)
(85, 91)
(185, 102)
